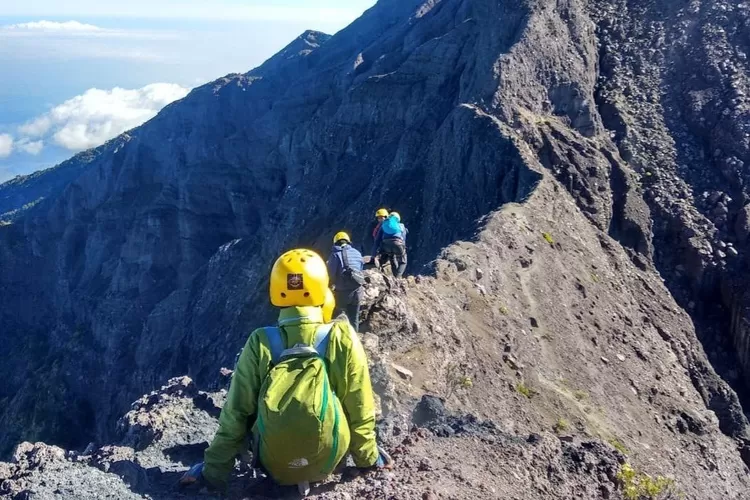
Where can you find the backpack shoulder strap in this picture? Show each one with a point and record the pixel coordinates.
(275, 342)
(322, 338)
(345, 258)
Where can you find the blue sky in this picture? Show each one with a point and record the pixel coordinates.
(75, 73)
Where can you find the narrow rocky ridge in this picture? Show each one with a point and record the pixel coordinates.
(619, 115)
(509, 313)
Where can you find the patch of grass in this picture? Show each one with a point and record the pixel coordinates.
(548, 238)
(465, 383)
(595, 278)
(504, 310)
(526, 391)
(637, 485)
(580, 395)
(455, 380)
(561, 426)
(617, 445)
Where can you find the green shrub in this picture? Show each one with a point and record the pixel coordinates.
(455, 380)
(561, 426)
(637, 485)
(617, 445)
(548, 238)
(525, 391)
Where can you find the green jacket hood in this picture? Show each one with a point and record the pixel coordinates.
(300, 315)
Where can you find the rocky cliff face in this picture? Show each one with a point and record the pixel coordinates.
(152, 262)
(481, 392)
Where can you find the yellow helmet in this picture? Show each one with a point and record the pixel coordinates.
(341, 235)
(396, 215)
(328, 306)
(299, 278)
(381, 213)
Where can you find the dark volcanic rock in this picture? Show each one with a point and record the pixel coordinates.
(430, 409)
(152, 260)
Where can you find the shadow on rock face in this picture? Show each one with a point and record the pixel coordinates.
(186, 454)
(132, 474)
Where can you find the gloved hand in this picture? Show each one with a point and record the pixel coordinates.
(384, 462)
(193, 477)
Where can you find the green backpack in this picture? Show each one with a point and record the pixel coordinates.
(301, 433)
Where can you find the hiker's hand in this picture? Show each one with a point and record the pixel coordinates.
(193, 477)
(384, 462)
(194, 480)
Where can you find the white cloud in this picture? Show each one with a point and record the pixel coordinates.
(72, 30)
(225, 10)
(69, 26)
(30, 147)
(6, 145)
(36, 128)
(91, 119)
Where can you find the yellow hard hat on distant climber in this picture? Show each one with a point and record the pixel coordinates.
(299, 278)
(381, 213)
(342, 236)
(328, 306)
(396, 215)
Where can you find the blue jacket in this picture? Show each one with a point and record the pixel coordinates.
(336, 266)
(381, 236)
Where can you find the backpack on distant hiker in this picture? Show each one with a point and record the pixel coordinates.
(301, 432)
(355, 276)
(391, 227)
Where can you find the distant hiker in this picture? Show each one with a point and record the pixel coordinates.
(381, 215)
(345, 268)
(404, 231)
(391, 243)
(404, 234)
(303, 387)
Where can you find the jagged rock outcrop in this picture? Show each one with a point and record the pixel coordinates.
(164, 431)
(529, 423)
(599, 123)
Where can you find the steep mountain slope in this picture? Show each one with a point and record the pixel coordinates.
(25, 191)
(152, 262)
(514, 315)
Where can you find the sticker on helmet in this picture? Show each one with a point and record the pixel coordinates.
(295, 282)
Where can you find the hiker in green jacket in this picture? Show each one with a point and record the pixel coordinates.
(302, 387)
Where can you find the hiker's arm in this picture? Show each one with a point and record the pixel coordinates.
(333, 265)
(359, 403)
(376, 246)
(233, 423)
